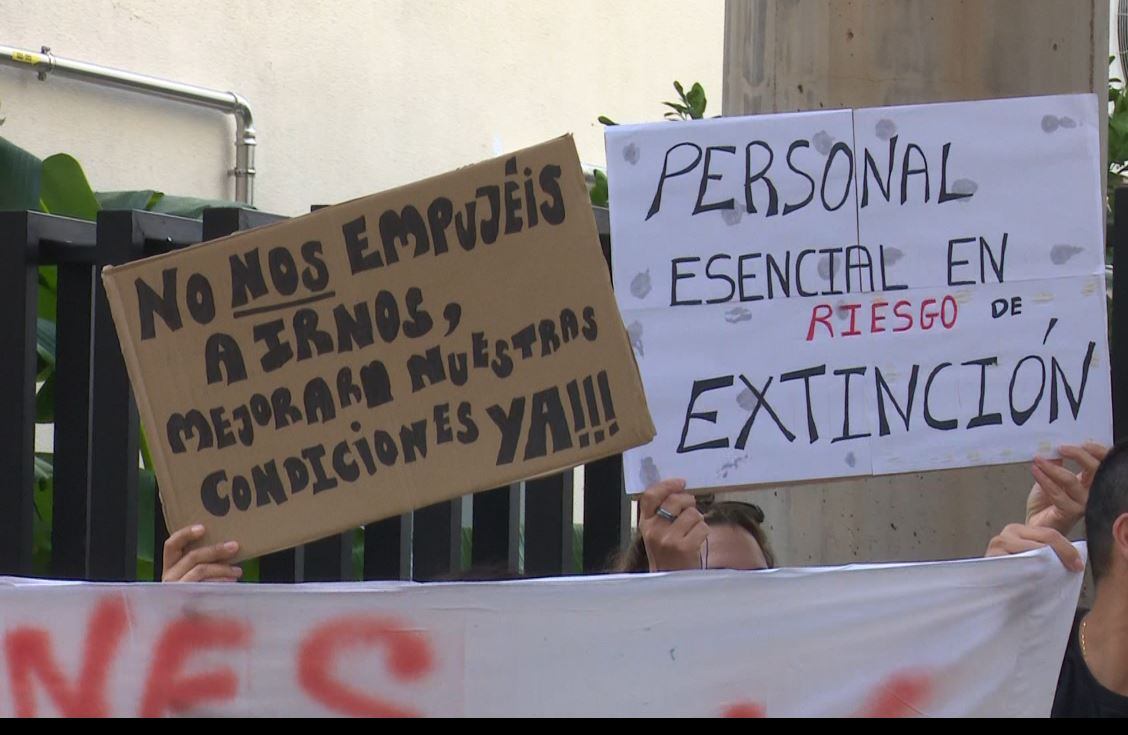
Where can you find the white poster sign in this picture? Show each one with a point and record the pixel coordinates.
(858, 292)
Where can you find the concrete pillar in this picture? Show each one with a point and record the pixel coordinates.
(786, 55)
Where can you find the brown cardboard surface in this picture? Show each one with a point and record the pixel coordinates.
(380, 355)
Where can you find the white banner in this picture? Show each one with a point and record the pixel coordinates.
(857, 292)
(978, 637)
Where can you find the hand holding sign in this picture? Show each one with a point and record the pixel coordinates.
(206, 563)
(1058, 497)
(1017, 538)
(671, 527)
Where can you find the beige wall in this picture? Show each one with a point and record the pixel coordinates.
(349, 96)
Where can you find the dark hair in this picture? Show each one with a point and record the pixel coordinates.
(1108, 500)
(747, 516)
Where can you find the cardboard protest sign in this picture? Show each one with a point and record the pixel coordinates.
(971, 638)
(844, 293)
(380, 355)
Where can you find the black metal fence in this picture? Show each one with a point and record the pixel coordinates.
(96, 503)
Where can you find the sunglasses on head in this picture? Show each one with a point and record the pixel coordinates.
(708, 501)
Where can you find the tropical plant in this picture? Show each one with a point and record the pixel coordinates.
(690, 106)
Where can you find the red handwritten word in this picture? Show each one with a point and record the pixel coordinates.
(409, 659)
(30, 657)
(173, 685)
(745, 709)
(901, 695)
(904, 317)
(168, 690)
(29, 654)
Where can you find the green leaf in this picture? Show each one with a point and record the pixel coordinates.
(45, 400)
(697, 102)
(145, 569)
(1117, 155)
(41, 522)
(145, 199)
(358, 555)
(20, 181)
(599, 189)
(679, 89)
(681, 110)
(45, 347)
(47, 297)
(46, 340)
(44, 467)
(606, 120)
(146, 454)
(49, 277)
(64, 189)
(250, 570)
(190, 206)
(146, 515)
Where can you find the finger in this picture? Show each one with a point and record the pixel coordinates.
(213, 573)
(174, 545)
(1065, 480)
(1013, 539)
(657, 526)
(676, 504)
(1065, 551)
(1062, 498)
(1068, 554)
(1081, 456)
(208, 554)
(209, 572)
(689, 519)
(1100, 451)
(653, 497)
(1004, 544)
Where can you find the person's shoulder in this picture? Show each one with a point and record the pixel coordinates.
(1079, 694)
(1070, 684)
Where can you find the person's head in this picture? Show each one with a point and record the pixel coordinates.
(1106, 515)
(737, 539)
